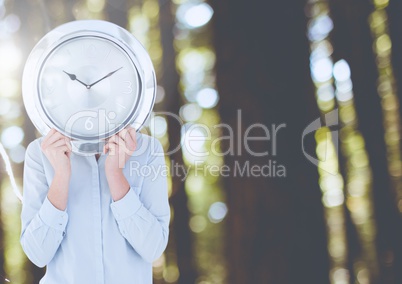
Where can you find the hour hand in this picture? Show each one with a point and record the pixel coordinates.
(74, 78)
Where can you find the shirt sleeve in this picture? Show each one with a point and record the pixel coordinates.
(144, 220)
(43, 225)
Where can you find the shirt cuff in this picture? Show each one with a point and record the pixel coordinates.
(126, 206)
(52, 216)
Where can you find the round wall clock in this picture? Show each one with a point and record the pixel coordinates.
(88, 79)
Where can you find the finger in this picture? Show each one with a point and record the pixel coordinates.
(121, 142)
(123, 134)
(116, 144)
(66, 151)
(58, 143)
(63, 149)
(117, 140)
(51, 142)
(112, 139)
(104, 141)
(106, 148)
(60, 140)
(129, 146)
(129, 137)
(131, 141)
(68, 143)
(132, 132)
(126, 136)
(112, 148)
(48, 135)
(53, 138)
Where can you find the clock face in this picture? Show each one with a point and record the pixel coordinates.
(88, 87)
(88, 79)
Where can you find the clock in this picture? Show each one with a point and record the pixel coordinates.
(88, 79)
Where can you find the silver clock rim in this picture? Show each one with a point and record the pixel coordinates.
(103, 29)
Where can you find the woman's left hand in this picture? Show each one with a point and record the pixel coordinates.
(120, 147)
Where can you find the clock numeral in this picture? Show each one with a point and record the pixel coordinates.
(90, 51)
(107, 54)
(89, 125)
(129, 87)
(49, 89)
(67, 57)
(120, 105)
(55, 106)
(68, 53)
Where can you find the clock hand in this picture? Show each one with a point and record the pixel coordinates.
(73, 77)
(108, 75)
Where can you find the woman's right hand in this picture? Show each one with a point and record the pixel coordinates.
(57, 149)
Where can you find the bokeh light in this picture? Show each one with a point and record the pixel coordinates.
(198, 223)
(17, 154)
(194, 15)
(320, 27)
(12, 136)
(341, 70)
(217, 212)
(194, 138)
(190, 112)
(158, 126)
(207, 98)
(321, 69)
(10, 58)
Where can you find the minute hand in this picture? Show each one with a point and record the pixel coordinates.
(108, 75)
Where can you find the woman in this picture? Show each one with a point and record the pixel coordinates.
(95, 219)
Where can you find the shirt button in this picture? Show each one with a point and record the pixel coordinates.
(117, 215)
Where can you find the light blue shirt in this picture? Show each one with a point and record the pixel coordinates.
(96, 240)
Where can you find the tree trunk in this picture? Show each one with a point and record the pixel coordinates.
(353, 41)
(117, 12)
(275, 227)
(169, 79)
